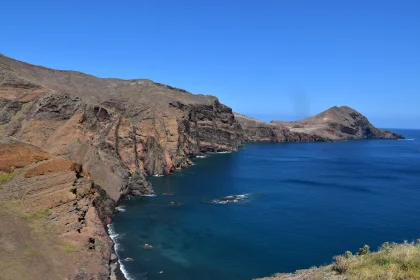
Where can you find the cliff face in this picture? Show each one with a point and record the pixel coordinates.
(86, 141)
(336, 123)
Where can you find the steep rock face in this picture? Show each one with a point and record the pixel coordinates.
(111, 133)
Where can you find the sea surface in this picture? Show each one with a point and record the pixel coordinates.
(302, 204)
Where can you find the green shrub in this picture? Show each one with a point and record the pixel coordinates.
(364, 250)
(348, 255)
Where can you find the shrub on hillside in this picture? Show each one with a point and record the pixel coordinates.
(364, 250)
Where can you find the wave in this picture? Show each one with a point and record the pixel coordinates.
(221, 152)
(204, 156)
(406, 139)
(120, 208)
(149, 195)
(231, 199)
(114, 237)
(158, 175)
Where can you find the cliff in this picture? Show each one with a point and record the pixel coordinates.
(84, 142)
(334, 124)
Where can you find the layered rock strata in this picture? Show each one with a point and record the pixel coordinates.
(85, 142)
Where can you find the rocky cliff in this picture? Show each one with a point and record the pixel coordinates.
(84, 142)
(334, 124)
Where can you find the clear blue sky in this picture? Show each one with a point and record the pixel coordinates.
(270, 59)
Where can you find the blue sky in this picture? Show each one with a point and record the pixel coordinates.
(269, 59)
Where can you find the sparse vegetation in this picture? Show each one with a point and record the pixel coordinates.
(69, 248)
(392, 261)
(6, 177)
(99, 245)
(39, 215)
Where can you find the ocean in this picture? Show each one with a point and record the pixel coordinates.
(299, 205)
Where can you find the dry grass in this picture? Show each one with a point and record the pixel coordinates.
(69, 248)
(6, 177)
(392, 261)
(27, 251)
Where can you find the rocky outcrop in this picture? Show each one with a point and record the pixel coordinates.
(85, 142)
(336, 123)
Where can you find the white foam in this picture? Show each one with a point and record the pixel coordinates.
(406, 139)
(201, 156)
(124, 271)
(238, 198)
(158, 175)
(114, 237)
(149, 195)
(120, 208)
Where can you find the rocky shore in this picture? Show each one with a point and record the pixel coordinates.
(72, 145)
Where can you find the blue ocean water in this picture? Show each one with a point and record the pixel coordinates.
(306, 203)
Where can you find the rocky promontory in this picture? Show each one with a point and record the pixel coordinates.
(334, 124)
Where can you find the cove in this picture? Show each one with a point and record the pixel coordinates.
(304, 203)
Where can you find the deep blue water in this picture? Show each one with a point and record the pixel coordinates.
(307, 202)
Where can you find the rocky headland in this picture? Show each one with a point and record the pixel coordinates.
(334, 124)
(72, 145)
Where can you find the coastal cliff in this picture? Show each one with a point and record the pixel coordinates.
(84, 142)
(72, 145)
(334, 124)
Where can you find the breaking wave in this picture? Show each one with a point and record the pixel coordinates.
(149, 195)
(231, 199)
(114, 237)
(120, 208)
(204, 156)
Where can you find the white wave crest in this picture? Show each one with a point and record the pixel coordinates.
(114, 237)
(120, 208)
(158, 175)
(231, 199)
(124, 271)
(204, 156)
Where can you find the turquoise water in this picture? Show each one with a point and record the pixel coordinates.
(306, 203)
